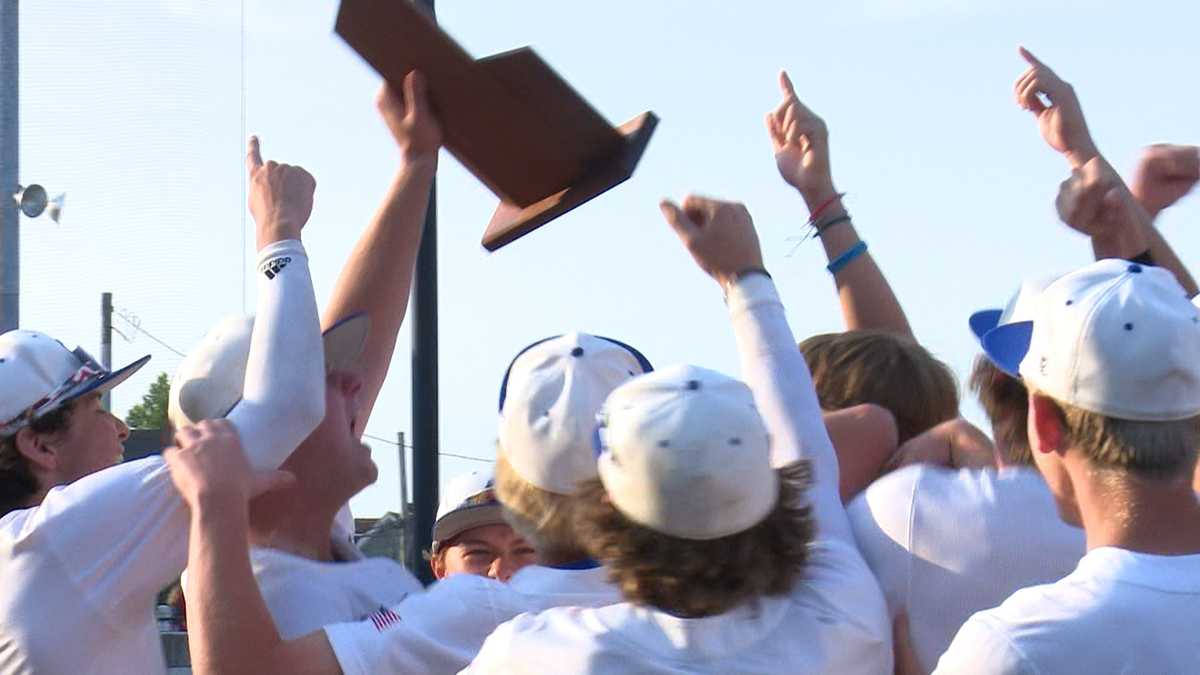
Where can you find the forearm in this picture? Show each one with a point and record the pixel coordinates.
(1164, 256)
(867, 299)
(377, 277)
(283, 397)
(865, 438)
(229, 627)
(783, 391)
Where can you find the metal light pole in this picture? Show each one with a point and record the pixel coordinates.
(10, 233)
(425, 382)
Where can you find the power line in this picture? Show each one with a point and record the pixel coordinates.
(137, 325)
(410, 447)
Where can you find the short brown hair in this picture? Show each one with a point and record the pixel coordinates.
(544, 519)
(18, 483)
(1152, 450)
(893, 371)
(690, 578)
(1006, 402)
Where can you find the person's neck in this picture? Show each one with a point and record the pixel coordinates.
(1137, 514)
(276, 522)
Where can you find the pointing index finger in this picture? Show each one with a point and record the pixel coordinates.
(785, 83)
(253, 155)
(1030, 58)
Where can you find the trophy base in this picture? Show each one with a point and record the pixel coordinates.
(512, 221)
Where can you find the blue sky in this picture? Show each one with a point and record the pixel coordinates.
(136, 109)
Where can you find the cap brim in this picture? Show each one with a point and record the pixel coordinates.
(344, 341)
(1007, 345)
(456, 522)
(106, 382)
(984, 320)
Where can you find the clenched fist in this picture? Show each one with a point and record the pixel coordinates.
(281, 197)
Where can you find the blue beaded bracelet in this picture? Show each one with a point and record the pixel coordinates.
(846, 258)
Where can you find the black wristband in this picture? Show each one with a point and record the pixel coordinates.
(821, 227)
(1143, 258)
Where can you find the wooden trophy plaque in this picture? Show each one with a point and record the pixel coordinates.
(509, 118)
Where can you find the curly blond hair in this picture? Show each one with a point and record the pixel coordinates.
(690, 578)
(544, 519)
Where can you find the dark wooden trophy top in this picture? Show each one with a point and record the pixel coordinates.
(509, 118)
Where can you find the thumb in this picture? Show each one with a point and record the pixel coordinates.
(678, 220)
(270, 480)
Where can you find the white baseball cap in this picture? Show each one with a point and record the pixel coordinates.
(1115, 338)
(1019, 308)
(469, 501)
(548, 403)
(38, 374)
(685, 452)
(209, 381)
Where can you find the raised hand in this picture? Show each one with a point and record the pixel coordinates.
(410, 119)
(281, 197)
(1095, 201)
(801, 143)
(1061, 122)
(1164, 175)
(719, 235)
(209, 468)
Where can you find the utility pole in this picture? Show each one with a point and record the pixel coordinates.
(425, 382)
(10, 233)
(106, 332)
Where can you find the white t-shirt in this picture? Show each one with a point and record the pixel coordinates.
(833, 621)
(441, 630)
(80, 571)
(303, 594)
(947, 543)
(813, 630)
(1119, 612)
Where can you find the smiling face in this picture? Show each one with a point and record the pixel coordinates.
(493, 551)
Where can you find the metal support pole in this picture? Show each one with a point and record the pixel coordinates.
(405, 521)
(106, 332)
(10, 233)
(425, 382)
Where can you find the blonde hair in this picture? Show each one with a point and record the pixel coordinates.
(690, 578)
(544, 519)
(893, 371)
(1154, 450)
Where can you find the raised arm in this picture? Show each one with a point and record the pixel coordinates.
(801, 143)
(1163, 176)
(1095, 200)
(721, 238)
(229, 627)
(378, 275)
(283, 397)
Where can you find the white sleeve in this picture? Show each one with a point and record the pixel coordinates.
(121, 534)
(438, 631)
(980, 648)
(783, 391)
(283, 398)
(881, 518)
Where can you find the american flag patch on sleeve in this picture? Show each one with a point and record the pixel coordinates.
(384, 618)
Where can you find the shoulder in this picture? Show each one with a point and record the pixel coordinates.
(985, 644)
